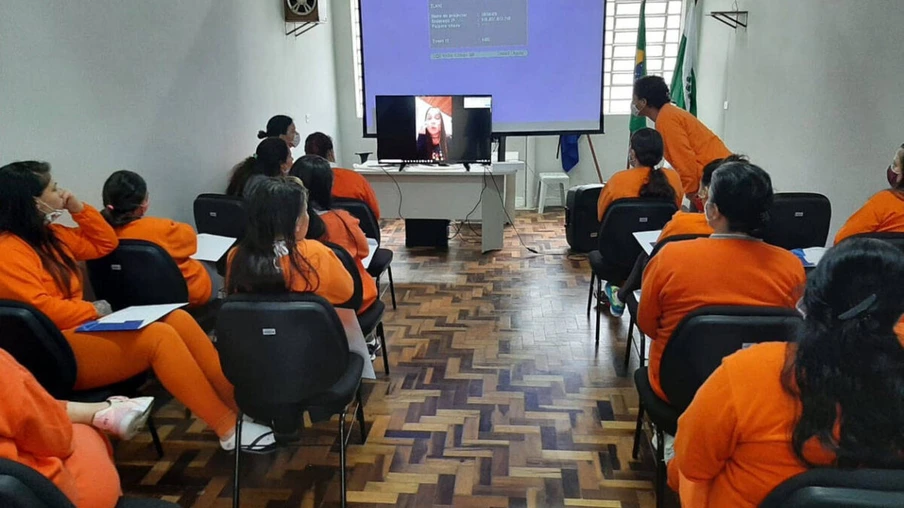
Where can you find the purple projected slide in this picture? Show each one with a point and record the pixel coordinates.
(541, 61)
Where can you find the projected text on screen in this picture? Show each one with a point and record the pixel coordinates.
(478, 29)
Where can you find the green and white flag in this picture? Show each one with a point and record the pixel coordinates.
(684, 81)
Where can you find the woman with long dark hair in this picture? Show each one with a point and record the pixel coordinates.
(884, 212)
(272, 158)
(432, 140)
(833, 398)
(275, 257)
(39, 268)
(334, 225)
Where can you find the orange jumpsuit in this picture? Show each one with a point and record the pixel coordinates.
(176, 348)
(883, 213)
(689, 145)
(35, 430)
(736, 433)
(686, 276)
(349, 184)
(627, 184)
(180, 241)
(343, 230)
(686, 223)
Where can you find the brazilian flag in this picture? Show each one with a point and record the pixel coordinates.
(640, 63)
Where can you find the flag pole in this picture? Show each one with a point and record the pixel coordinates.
(595, 161)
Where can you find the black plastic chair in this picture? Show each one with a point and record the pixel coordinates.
(618, 249)
(371, 320)
(700, 342)
(630, 300)
(382, 258)
(286, 354)
(23, 487)
(798, 220)
(217, 214)
(895, 239)
(139, 272)
(839, 488)
(38, 345)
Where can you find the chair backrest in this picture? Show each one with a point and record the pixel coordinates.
(217, 214)
(706, 336)
(23, 487)
(798, 220)
(351, 267)
(623, 218)
(363, 213)
(828, 488)
(38, 345)
(137, 273)
(280, 350)
(896, 239)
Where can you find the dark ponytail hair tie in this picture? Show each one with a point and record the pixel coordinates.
(261, 135)
(858, 309)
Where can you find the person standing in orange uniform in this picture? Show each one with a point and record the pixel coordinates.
(884, 212)
(347, 184)
(39, 268)
(833, 398)
(689, 145)
(126, 201)
(732, 267)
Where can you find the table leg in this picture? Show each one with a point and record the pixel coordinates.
(492, 214)
(510, 191)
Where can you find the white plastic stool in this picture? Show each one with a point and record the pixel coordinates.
(547, 179)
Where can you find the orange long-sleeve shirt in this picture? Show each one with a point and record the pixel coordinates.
(24, 279)
(686, 276)
(627, 183)
(181, 242)
(686, 223)
(349, 184)
(332, 281)
(343, 230)
(883, 213)
(736, 433)
(689, 145)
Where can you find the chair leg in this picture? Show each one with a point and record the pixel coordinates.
(152, 428)
(590, 294)
(391, 287)
(238, 456)
(630, 344)
(360, 415)
(638, 431)
(643, 348)
(342, 456)
(660, 467)
(382, 336)
(599, 310)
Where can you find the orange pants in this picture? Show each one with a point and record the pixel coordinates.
(181, 354)
(92, 470)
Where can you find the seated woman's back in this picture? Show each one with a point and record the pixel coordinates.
(884, 212)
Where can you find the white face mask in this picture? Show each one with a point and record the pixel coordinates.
(635, 110)
(50, 216)
(296, 140)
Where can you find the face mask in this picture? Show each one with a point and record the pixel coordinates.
(634, 110)
(51, 216)
(892, 176)
(296, 140)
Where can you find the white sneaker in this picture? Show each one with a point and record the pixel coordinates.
(125, 416)
(256, 438)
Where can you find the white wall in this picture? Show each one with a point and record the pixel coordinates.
(175, 90)
(814, 90)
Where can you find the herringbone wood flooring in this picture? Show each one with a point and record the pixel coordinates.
(497, 398)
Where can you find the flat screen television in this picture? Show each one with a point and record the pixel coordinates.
(439, 129)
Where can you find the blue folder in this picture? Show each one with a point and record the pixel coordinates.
(125, 326)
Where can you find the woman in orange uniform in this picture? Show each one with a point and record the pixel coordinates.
(339, 226)
(884, 212)
(275, 257)
(833, 398)
(689, 145)
(732, 267)
(126, 202)
(347, 184)
(60, 439)
(39, 268)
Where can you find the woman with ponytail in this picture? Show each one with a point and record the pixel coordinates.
(272, 158)
(833, 398)
(126, 203)
(282, 127)
(731, 267)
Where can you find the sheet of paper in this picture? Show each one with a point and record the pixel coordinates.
(814, 254)
(147, 314)
(212, 247)
(373, 244)
(647, 239)
(356, 343)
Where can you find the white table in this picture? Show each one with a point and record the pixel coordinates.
(432, 192)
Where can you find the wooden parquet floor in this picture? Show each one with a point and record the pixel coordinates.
(497, 398)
